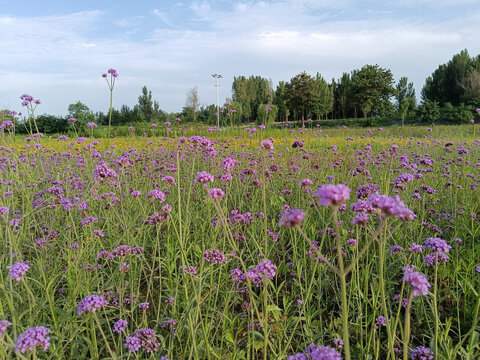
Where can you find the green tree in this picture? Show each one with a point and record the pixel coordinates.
(266, 114)
(281, 102)
(145, 105)
(452, 82)
(343, 99)
(250, 93)
(323, 97)
(302, 95)
(429, 111)
(192, 102)
(372, 87)
(405, 98)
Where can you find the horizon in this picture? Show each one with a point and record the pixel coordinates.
(58, 51)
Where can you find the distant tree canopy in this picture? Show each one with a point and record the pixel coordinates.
(456, 82)
(450, 95)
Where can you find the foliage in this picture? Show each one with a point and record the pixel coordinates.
(372, 87)
(429, 111)
(192, 103)
(405, 98)
(455, 82)
(266, 114)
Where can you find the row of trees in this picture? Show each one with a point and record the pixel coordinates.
(450, 94)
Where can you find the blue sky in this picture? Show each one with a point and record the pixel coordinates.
(57, 50)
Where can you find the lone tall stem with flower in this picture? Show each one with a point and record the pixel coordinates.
(111, 83)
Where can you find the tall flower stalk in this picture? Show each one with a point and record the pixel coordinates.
(111, 83)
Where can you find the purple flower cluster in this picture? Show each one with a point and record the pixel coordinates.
(120, 325)
(3, 326)
(31, 338)
(204, 177)
(18, 270)
(156, 194)
(291, 218)
(437, 245)
(264, 270)
(214, 256)
(91, 303)
(417, 280)
(317, 352)
(332, 195)
(216, 193)
(145, 339)
(392, 206)
(422, 353)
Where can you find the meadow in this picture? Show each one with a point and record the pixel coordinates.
(346, 243)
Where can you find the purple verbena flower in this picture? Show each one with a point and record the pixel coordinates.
(120, 325)
(291, 218)
(91, 303)
(31, 338)
(332, 195)
(18, 270)
(417, 280)
(422, 353)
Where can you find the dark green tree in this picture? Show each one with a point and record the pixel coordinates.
(343, 99)
(302, 95)
(429, 112)
(372, 88)
(406, 101)
(145, 105)
(323, 97)
(452, 82)
(281, 102)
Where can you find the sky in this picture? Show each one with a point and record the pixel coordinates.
(57, 50)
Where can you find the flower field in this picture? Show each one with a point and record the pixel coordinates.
(266, 244)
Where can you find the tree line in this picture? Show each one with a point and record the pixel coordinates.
(450, 94)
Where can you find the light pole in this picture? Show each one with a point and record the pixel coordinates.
(217, 85)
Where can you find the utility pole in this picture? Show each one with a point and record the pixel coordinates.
(217, 85)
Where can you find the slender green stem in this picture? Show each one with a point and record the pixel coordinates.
(406, 331)
(435, 310)
(343, 284)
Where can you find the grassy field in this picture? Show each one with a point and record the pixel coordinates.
(198, 244)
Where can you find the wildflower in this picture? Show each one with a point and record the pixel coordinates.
(214, 256)
(352, 242)
(422, 353)
(395, 248)
(417, 280)
(360, 218)
(3, 210)
(31, 338)
(204, 177)
(332, 195)
(267, 145)
(381, 321)
(291, 218)
(144, 305)
(91, 303)
(3, 326)
(92, 125)
(392, 206)
(338, 343)
(120, 325)
(415, 248)
(18, 270)
(72, 120)
(156, 194)
(216, 193)
(317, 352)
(437, 245)
(265, 269)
